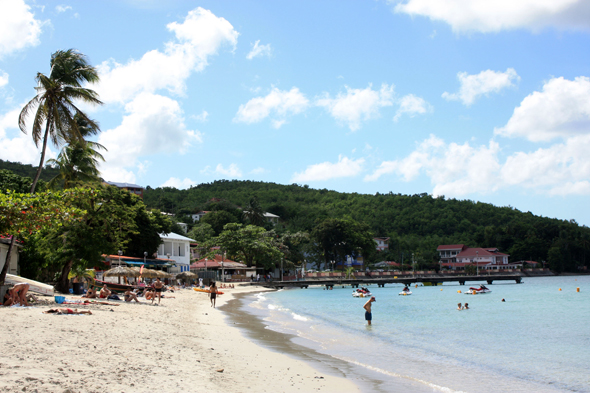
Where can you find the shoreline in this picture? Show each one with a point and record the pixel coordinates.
(181, 345)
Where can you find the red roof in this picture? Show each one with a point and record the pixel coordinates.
(211, 263)
(481, 252)
(450, 247)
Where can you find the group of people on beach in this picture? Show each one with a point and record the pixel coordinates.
(150, 293)
(17, 295)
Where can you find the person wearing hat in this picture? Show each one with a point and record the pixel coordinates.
(367, 307)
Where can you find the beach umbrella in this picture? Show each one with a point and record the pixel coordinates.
(186, 276)
(121, 271)
(149, 273)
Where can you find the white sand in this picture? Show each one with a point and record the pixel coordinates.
(178, 346)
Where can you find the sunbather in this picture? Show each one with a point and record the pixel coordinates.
(104, 292)
(67, 311)
(129, 296)
(19, 293)
(90, 294)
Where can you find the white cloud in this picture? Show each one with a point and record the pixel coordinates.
(412, 105)
(258, 171)
(457, 170)
(357, 105)
(179, 184)
(231, 171)
(3, 78)
(454, 169)
(258, 50)
(18, 27)
(488, 81)
(278, 103)
(560, 110)
(202, 117)
(493, 16)
(197, 38)
(17, 146)
(153, 124)
(345, 167)
(562, 169)
(62, 8)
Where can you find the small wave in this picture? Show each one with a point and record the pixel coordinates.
(298, 317)
(396, 375)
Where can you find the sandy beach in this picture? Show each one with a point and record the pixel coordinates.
(183, 345)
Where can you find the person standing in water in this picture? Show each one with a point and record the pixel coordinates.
(368, 312)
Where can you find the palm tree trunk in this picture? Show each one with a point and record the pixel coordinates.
(34, 185)
(7, 262)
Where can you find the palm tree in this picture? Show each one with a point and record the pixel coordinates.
(78, 161)
(54, 107)
(254, 213)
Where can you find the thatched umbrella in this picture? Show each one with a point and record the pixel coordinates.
(121, 271)
(150, 273)
(186, 276)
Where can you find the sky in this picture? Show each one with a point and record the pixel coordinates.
(470, 99)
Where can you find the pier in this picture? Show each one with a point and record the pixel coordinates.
(425, 280)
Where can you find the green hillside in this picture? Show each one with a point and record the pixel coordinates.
(27, 170)
(416, 224)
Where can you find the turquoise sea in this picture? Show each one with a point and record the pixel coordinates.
(538, 340)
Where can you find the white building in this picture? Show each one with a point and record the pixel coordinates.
(177, 248)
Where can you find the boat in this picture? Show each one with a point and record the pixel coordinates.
(477, 291)
(34, 286)
(113, 287)
(361, 292)
(206, 291)
(406, 291)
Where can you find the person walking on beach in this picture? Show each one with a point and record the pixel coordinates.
(368, 313)
(213, 293)
(158, 285)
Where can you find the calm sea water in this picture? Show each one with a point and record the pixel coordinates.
(538, 340)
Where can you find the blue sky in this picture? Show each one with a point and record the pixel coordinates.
(470, 99)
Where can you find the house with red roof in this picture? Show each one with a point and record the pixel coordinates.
(457, 256)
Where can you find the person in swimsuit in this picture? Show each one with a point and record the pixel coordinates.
(19, 294)
(90, 294)
(368, 312)
(158, 285)
(67, 311)
(9, 298)
(459, 307)
(104, 292)
(129, 296)
(466, 307)
(213, 293)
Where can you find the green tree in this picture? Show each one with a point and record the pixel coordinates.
(106, 226)
(337, 238)
(54, 105)
(149, 225)
(10, 181)
(218, 219)
(22, 215)
(250, 244)
(253, 213)
(78, 161)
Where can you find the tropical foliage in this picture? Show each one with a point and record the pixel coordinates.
(415, 223)
(53, 108)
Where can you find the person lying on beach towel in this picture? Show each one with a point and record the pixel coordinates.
(67, 311)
